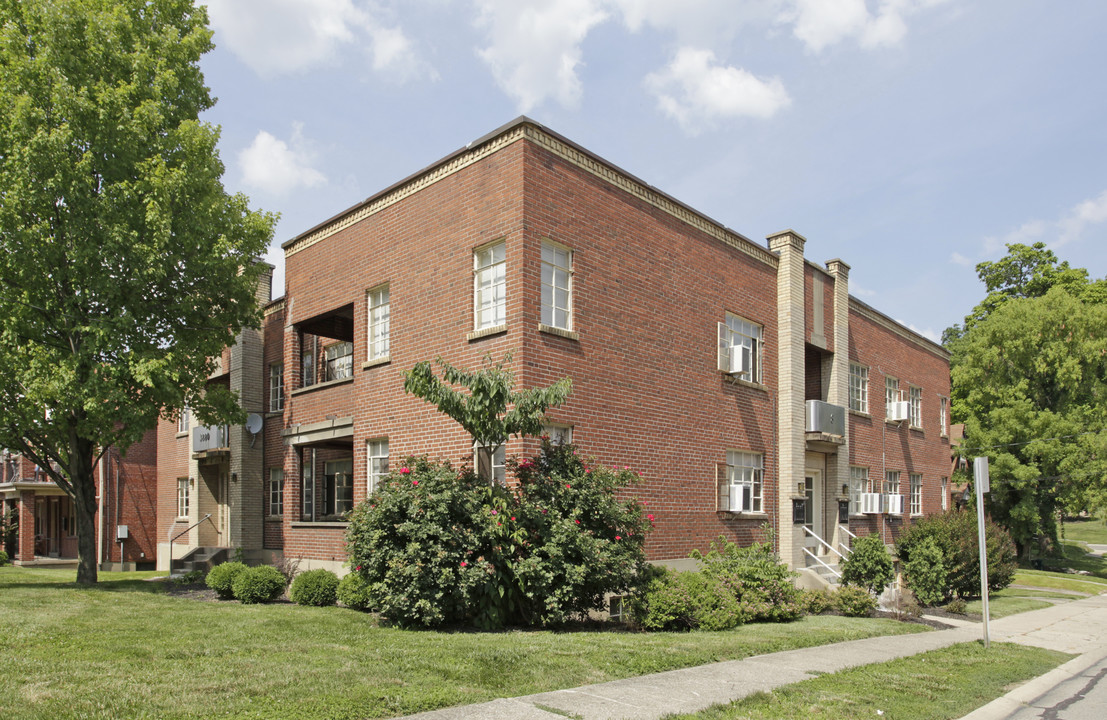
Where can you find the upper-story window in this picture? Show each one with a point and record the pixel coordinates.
(557, 278)
(916, 481)
(858, 388)
(943, 415)
(276, 387)
(915, 407)
(276, 491)
(378, 323)
(891, 395)
(340, 360)
(183, 419)
(376, 463)
(740, 348)
(490, 285)
(307, 367)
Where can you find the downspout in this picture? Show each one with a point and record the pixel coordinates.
(100, 516)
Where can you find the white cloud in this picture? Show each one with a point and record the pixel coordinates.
(276, 167)
(277, 37)
(697, 22)
(534, 48)
(822, 23)
(928, 333)
(698, 92)
(958, 259)
(1089, 212)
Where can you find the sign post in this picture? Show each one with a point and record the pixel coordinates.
(980, 475)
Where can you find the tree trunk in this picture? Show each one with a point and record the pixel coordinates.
(84, 501)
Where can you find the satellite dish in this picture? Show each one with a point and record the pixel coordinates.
(253, 423)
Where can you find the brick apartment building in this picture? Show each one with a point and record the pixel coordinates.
(45, 525)
(740, 378)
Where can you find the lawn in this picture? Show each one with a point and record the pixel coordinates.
(1061, 581)
(938, 685)
(126, 649)
(1091, 530)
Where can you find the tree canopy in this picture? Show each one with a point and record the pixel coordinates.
(125, 267)
(1029, 380)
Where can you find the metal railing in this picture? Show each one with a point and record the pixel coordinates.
(182, 532)
(822, 542)
(842, 545)
(816, 558)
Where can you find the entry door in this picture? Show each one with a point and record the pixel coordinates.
(813, 519)
(222, 492)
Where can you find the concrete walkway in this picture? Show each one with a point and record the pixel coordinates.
(1076, 627)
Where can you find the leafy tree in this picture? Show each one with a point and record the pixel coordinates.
(125, 268)
(491, 411)
(1030, 383)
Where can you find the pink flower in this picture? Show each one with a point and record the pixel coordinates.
(568, 486)
(415, 483)
(577, 522)
(618, 537)
(626, 467)
(650, 517)
(513, 518)
(404, 470)
(645, 504)
(464, 564)
(493, 512)
(543, 511)
(358, 568)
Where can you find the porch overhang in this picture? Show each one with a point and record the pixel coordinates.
(320, 433)
(12, 489)
(824, 442)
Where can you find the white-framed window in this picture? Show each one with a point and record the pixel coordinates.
(557, 286)
(916, 481)
(338, 488)
(276, 491)
(376, 452)
(943, 415)
(183, 419)
(490, 285)
(379, 322)
(307, 368)
(182, 498)
(914, 409)
(340, 360)
(859, 483)
(891, 487)
(558, 434)
(492, 466)
(858, 388)
(945, 494)
(276, 387)
(740, 483)
(307, 484)
(739, 351)
(891, 395)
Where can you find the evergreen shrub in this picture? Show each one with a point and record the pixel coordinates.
(221, 578)
(353, 592)
(260, 584)
(925, 573)
(317, 588)
(955, 533)
(854, 601)
(869, 565)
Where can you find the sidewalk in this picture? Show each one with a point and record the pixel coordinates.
(1078, 627)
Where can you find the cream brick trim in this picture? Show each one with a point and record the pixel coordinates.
(567, 152)
(887, 323)
(275, 307)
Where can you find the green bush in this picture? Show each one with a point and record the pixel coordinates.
(317, 588)
(258, 584)
(758, 579)
(957, 606)
(685, 601)
(3, 558)
(869, 565)
(854, 601)
(925, 572)
(353, 592)
(815, 602)
(190, 577)
(955, 533)
(439, 546)
(221, 578)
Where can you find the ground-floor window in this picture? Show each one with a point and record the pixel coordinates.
(376, 463)
(182, 498)
(491, 465)
(740, 486)
(338, 488)
(916, 494)
(858, 483)
(276, 491)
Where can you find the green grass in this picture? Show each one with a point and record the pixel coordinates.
(1060, 581)
(126, 649)
(938, 685)
(1001, 605)
(1092, 530)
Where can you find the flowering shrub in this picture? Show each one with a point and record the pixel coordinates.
(757, 578)
(816, 602)
(438, 546)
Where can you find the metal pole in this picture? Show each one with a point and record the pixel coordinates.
(980, 474)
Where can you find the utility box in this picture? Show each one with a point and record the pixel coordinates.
(122, 532)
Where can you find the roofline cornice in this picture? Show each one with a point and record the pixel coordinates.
(871, 313)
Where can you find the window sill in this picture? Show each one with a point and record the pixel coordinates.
(486, 332)
(181, 520)
(859, 413)
(375, 362)
(303, 524)
(182, 434)
(274, 413)
(916, 428)
(745, 383)
(743, 514)
(560, 332)
(274, 518)
(322, 386)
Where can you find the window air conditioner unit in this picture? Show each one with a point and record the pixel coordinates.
(739, 360)
(898, 411)
(870, 503)
(893, 504)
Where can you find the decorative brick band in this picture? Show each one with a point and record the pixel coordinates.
(888, 324)
(575, 156)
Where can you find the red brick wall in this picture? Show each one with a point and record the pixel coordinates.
(131, 499)
(881, 445)
(173, 455)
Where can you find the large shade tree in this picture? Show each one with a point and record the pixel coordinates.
(1029, 380)
(125, 267)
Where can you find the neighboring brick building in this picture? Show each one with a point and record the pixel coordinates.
(126, 523)
(693, 351)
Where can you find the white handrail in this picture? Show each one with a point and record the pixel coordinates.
(814, 557)
(822, 542)
(845, 529)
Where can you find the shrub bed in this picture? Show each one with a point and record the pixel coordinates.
(317, 588)
(222, 576)
(260, 584)
(955, 534)
(854, 601)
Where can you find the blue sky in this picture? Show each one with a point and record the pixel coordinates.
(911, 138)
